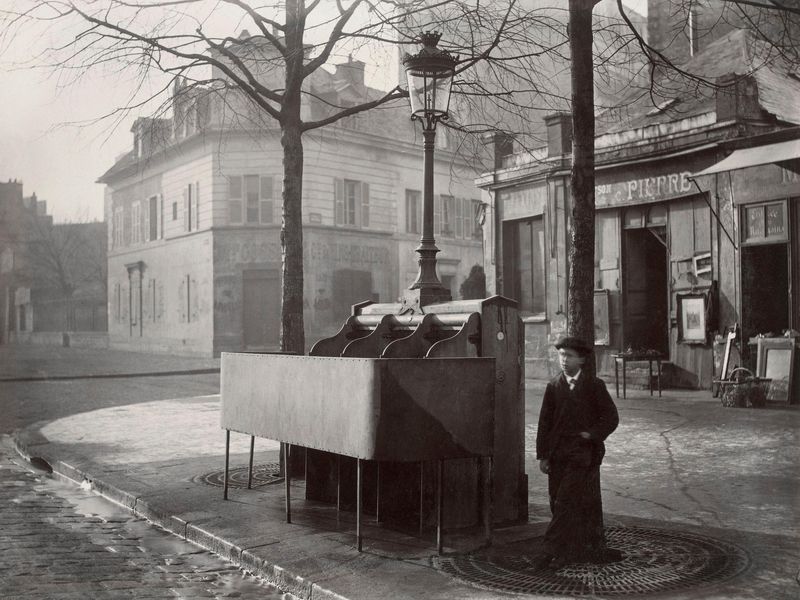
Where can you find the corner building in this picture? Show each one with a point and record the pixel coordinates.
(679, 256)
(194, 215)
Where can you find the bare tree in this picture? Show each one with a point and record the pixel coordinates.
(581, 250)
(513, 60)
(270, 71)
(65, 257)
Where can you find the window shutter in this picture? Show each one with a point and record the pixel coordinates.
(196, 212)
(147, 218)
(266, 195)
(161, 216)
(437, 214)
(186, 208)
(365, 205)
(459, 218)
(338, 185)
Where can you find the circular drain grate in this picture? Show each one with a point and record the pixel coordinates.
(237, 478)
(655, 561)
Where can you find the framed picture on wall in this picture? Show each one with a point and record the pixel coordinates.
(692, 318)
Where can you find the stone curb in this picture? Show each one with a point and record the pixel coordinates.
(284, 580)
(208, 371)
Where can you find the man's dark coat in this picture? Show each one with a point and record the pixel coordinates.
(565, 413)
(575, 533)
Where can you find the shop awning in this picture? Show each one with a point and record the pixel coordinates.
(752, 157)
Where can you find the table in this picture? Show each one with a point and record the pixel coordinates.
(627, 357)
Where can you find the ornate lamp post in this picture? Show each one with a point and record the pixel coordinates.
(430, 74)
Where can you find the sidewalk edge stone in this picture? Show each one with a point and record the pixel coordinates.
(276, 575)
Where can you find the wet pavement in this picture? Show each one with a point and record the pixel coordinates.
(62, 541)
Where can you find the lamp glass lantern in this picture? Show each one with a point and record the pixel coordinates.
(430, 76)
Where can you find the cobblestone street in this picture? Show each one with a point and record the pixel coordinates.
(58, 541)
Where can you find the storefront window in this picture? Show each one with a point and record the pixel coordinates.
(764, 223)
(657, 215)
(528, 272)
(634, 218)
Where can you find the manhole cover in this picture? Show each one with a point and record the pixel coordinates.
(264, 474)
(655, 561)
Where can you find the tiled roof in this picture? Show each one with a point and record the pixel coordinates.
(739, 52)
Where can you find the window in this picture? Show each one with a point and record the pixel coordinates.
(250, 199)
(461, 211)
(136, 223)
(475, 222)
(466, 219)
(448, 216)
(153, 214)
(191, 207)
(134, 301)
(265, 203)
(764, 223)
(527, 260)
(187, 208)
(174, 211)
(118, 228)
(22, 322)
(413, 210)
(351, 203)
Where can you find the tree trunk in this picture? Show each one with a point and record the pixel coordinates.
(292, 334)
(581, 252)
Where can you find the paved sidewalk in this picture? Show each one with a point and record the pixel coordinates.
(699, 484)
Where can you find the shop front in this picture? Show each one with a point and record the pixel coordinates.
(761, 183)
(656, 261)
(657, 247)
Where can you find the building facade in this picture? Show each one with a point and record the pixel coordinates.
(674, 264)
(194, 216)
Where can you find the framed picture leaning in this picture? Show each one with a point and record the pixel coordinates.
(692, 318)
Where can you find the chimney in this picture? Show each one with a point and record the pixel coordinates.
(559, 134)
(352, 72)
(501, 145)
(737, 98)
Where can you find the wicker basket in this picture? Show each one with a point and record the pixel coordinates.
(744, 390)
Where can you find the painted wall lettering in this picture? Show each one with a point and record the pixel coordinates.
(354, 254)
(645, 189)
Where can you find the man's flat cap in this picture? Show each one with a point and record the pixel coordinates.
(574, 343)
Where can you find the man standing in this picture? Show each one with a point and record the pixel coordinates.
(577, 416)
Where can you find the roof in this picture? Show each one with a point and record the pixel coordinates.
(675, 97)
(758, 155)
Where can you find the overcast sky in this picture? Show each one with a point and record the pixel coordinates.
(48, 139)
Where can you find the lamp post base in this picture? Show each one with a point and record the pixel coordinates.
(416, 299)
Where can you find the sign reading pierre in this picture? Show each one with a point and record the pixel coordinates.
(530, 201)
(643, 190)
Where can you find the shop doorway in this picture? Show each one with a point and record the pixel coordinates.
(261, 309)
(646, 296)
(765, 289)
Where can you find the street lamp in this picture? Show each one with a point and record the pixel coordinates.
(430, 74)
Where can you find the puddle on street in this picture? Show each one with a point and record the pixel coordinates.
(202, 574)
